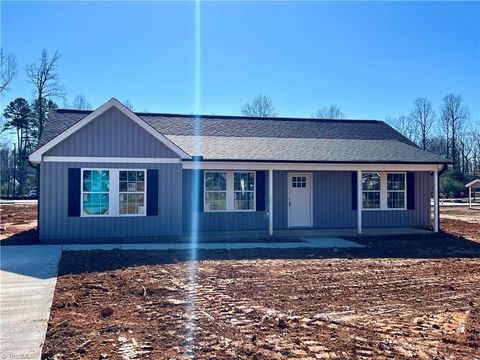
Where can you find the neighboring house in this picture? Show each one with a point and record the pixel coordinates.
(112, 173)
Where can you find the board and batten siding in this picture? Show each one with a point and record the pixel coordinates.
(112, 134)
(332, 203)
(55, 224)
(220, 221)
(332, 206)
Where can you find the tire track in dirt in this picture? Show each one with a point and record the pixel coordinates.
(271, 309)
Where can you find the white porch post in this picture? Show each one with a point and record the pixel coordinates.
(469, 197)
(270, 202)
(436, 205)
(359, 201)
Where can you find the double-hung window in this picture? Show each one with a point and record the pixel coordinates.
(215, 191)
(229, 191)
(244, 190)
(396, 191)
(371, 186)
(96, 192)
(384, 191)
(131, 192)
(113, 192)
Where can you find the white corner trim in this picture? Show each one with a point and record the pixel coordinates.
(36, 156)
(111, 160)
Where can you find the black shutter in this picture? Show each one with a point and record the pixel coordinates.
(260, 191)
(410, 190)
(152, 192)
(197, 196)
(74, 192)
(354, 191)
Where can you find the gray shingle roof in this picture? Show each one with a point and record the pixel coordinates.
(272, 139)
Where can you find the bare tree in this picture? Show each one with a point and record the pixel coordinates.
(423, 117)
(329, 112)
(81, 103)
(404, 125)
(261, 106)
(43, 75)
(128, 105)
(8, 66)
(454, 116)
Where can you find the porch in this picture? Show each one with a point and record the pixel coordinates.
(320, 199)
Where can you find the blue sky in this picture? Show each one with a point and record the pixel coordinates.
(371, 58)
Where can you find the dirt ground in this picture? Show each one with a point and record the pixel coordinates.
(19, 222)
(263, 309)
(461, 221)
(398, 297)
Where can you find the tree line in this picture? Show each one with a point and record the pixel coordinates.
(448, 131)
(26, 120)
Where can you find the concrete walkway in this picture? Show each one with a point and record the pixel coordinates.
(317, 242)
(28, 275)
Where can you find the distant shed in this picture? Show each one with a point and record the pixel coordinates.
(475, 184)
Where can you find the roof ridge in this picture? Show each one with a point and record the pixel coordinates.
(232, 117)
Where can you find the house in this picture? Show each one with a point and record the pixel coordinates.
(112, 173)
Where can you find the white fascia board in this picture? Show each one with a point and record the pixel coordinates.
(36, 156)
(111, 160)
(213, 165)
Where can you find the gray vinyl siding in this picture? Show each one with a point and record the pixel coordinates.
(213, 221)
(332, 203)
(55, 223)
(332, 206)
(112, 134)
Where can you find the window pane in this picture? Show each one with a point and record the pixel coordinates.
(95, 187)
(396, 200)
(395, 181)
(371, 200)
(215, 181)
(244, 200)
(215, 200)
(371, 181)
(95, 203)
(132, 188)
(244, 181)
(123, 186)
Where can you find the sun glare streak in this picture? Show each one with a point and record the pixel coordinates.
(189, 341)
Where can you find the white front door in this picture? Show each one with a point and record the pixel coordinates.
(299, 199)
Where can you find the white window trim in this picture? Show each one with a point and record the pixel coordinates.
(215, 191)
(113, 193)
(144, 193)
(230, 192)
(384, 191)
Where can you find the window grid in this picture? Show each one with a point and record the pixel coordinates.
(384, 190)
(95, 192)
(244, 190)
(104, 185)
(395, 191)
(299, 181)
(131, 192)
(371, 191)
(229, 191)
(215, 184)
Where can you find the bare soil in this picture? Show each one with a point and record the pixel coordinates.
(264, 309)
(461, 221)
(19, 222)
